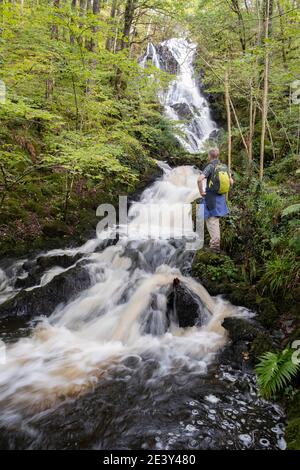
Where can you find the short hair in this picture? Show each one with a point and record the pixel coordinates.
(214, 153)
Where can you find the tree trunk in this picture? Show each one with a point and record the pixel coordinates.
(82, 9)
(228, 113)
(54, 27)
(236, 8)
(113, 11)
(73, 5)
(265, 91)
(96, 10)
(282, 32)
(130, 8)
(252, 117)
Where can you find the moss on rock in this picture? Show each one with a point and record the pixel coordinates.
(293, 434)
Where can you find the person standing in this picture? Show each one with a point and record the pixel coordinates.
(214, 184)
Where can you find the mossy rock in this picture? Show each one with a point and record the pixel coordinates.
(215, 270)
(267, 312)
(293, 426)
(248, 342)
(293, 410)
(292, 434)
(261, 344)
(242, 294)
(56, 228)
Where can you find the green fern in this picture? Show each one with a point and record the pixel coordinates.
(275, 371)
(291, 210)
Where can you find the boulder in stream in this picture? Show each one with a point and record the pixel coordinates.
(43, 300)
(248, 341)
(182, 306)
(37, 268)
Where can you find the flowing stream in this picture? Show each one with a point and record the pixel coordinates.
(109, 366)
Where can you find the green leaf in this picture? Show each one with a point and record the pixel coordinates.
(274, 371)
(291, 210)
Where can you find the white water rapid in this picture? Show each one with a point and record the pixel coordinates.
(69, 350)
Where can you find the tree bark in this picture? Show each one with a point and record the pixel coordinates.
(113, 11)
(228, 113)
(282, 31)
(130, 8)
(54, 27)
(96, 10)
(265, 90)
(73, 5)
(236, 8)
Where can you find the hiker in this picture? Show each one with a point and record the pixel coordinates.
(214, 184)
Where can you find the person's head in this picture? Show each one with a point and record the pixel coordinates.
(213, 154)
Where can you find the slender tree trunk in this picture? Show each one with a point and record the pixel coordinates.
(93, 43)
(82, 9)
(54, 27)
(236, 8)
(265, 92)
(228, 113)
(73, 5)
(251, 129)
(130, 8)
(238, 124)
(96, 10)
(113, 11)
(282, 32)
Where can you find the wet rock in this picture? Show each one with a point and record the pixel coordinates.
(25, 282)
(183, 110)
(268, 313)
(182, 306)
(247, 342)
(215, 134)
(37, 267)
(64, 261)
(168, 63)
(43, 300)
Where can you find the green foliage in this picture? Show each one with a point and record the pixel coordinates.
(281, 274)
(81, 118)
(275, 371)
(291, 210)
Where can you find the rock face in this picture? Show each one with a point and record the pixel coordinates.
(43, 300)
(182, 306)
(38, 267)
(169, 63)
(183, 110)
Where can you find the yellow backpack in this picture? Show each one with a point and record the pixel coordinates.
(220, 179)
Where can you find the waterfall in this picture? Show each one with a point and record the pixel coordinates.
(109, 361)
(183, 100)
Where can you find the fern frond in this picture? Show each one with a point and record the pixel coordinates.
(291, 210)
(275, 371)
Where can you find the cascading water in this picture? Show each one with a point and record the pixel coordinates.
(183, 101)
(112, 357)
(108, 366)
